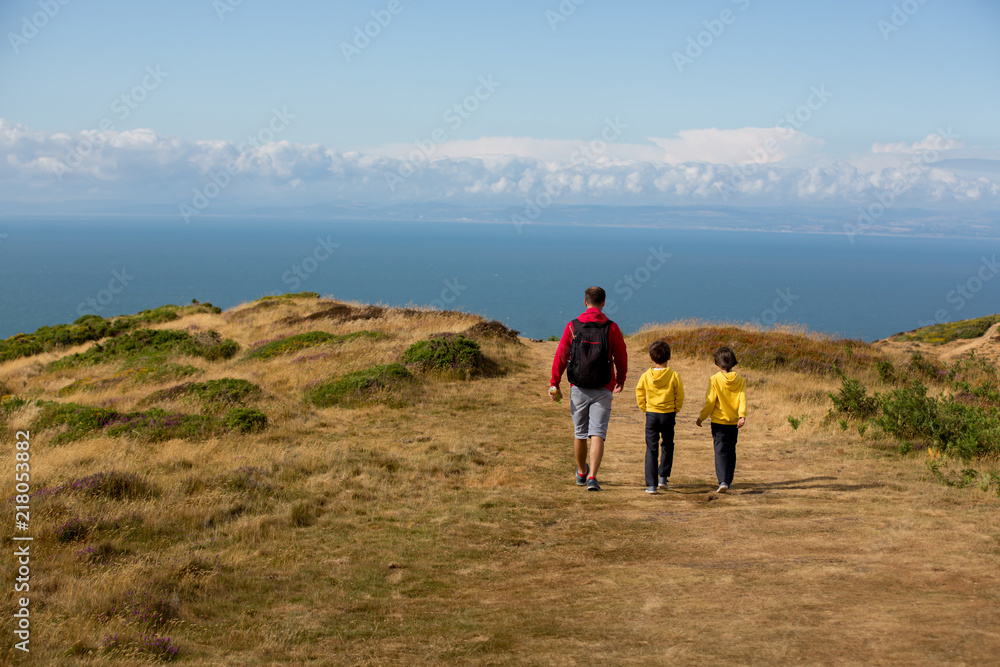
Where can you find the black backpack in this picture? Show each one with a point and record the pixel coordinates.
(590, 355)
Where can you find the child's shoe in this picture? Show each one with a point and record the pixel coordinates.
(663, 483)
(651, 490)
(723, 488)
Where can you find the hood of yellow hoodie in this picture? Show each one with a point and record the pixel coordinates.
(730, 380)
(661, 377)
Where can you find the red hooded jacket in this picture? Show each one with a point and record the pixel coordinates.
(619, 355)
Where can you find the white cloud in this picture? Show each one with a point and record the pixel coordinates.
(734, 147)
(708, 166)
(938, 141)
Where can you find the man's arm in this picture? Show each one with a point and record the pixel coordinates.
(619, 354)
(560, 361)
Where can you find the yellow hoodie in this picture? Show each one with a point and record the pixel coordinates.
(726, 399)
(660, 390)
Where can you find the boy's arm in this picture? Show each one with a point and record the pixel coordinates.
(561, 359)
(640, 393)
(710, 399)
(742, 410)
(679, 394)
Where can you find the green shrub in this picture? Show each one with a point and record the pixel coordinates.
(853, 400)
(89, 328)
(448, 352)
(246, 420)
(156, 425)
(370, 384)
(153, 343)
(221, 393)
(916, 420)
(795, 422)
(152, 425)
(290, 344)
(938, 334)
(886, 371)
(927, 369)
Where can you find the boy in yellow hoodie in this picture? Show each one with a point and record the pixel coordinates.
(660, 395)
(726, 402)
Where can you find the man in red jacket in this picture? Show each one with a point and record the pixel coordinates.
(593, 349)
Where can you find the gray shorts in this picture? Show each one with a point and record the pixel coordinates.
(591, 410)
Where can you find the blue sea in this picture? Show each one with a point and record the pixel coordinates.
(53, 271)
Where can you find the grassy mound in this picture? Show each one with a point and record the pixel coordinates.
(338, 312)
(360, 387)
(289, 344)
(215, 394)
(768, 350)
(152, 425)
(245, 420)
(277, 298)
(447, 352)
(939, 334)
(92, 327)
(492, 330)
(150, 343)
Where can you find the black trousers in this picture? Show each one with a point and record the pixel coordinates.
(724, 437)
(659, 424)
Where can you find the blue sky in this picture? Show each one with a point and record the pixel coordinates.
(893, 75)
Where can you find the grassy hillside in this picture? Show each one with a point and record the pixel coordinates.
(299, 481)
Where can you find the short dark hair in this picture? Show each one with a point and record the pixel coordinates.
(659, 351)
(595, 296)
(725, 358)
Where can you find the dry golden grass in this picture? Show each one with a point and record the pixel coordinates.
(450, 530)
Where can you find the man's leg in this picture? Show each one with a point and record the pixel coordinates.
(596, 454)
(580, 450)
(579, 408)
(600, 414)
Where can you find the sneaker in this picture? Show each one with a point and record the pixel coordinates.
(581, 480)
(651, 490)
(592, 484)
(663, 483)
(723, 488)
